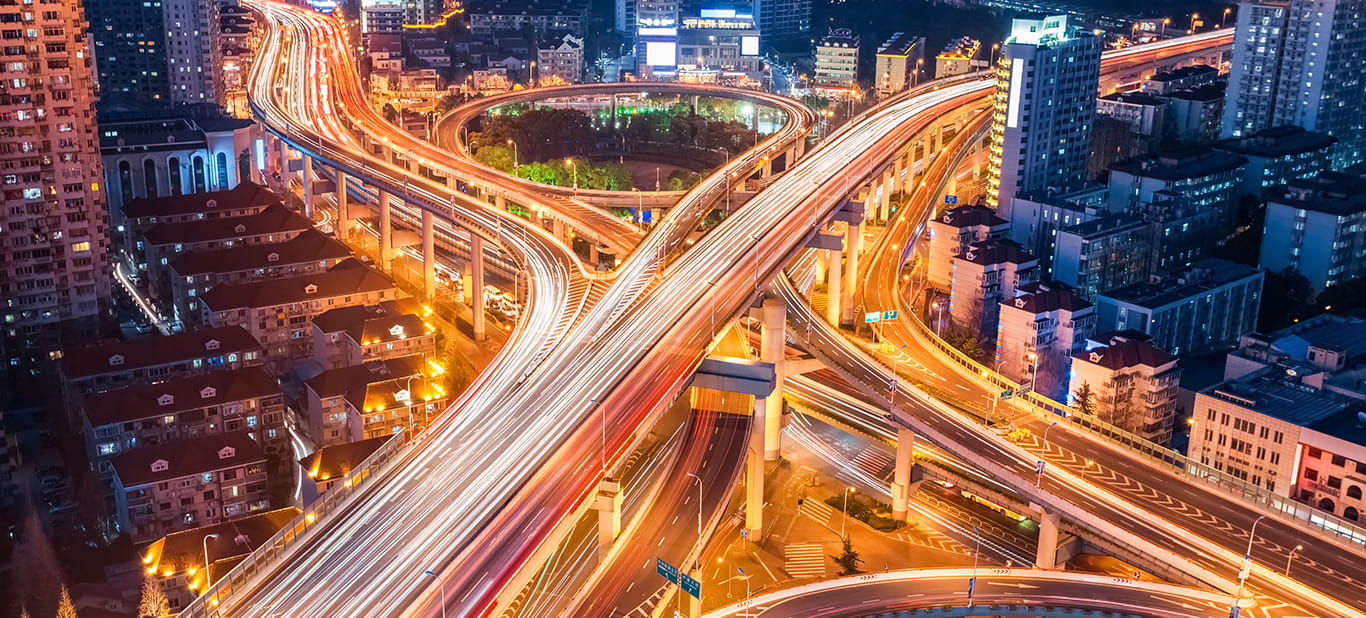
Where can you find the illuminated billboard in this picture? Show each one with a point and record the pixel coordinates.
(749, 46)
(661, 53)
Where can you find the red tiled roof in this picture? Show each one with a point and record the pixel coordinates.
(330, 462)
(185, 549)
(374, 322)
(347, 277)
(970, 215)
(1127, 354)
(334, 382)
(158, 350)
(244, 195)
(186, 457)
(1041, 298)
(151, 400)
(309, 246)
(273, 220)
(996, 252)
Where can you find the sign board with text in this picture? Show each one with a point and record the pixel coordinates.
(666, 570)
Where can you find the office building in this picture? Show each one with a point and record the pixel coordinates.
(1280, 154)
(176, 562)
(836, 72)
(1317, 226)
(1045, 101)
(188, 483)
(1193, 311)
(954, 232)
(899, 64)
(656, 36)
(1102, 254)
(1299, 62)
(1195, 175)
(958, 57)
(782, 18)
(148, 54)
(1039, 331)
(1132, 385)
(981, 278)
(55, 270)
(720, 46)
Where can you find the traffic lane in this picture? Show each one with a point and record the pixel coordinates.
(856, 597)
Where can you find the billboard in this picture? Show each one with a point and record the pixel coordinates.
(661, 53)
(749, 46)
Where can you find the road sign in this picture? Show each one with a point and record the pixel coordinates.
(666, 570)
(950, 199)
(1039, 466)
(1007, 393)
(890, 315)
(690, 585)
(1026, 387)
(869, 318)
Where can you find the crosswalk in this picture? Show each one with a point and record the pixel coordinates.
(817, 510)
(805, 560)
(868, 464)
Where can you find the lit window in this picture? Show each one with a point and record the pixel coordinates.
(80, 246)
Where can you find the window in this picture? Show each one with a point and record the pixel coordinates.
(208, 477)
(1354, 492)
(1311, 474)
(1334, 482)
(80, 247)
(1339, 460)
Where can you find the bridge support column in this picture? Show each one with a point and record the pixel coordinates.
(834, 291)
(608, 505)
(343, 207)
(476, 287)
(593, 255)
(308, 185)
(561, 230)
(768, 167)
(284, 162)
(754, 471)
(500, 201)
(1047, 556)
(754, 118)
(772, 340)
(884, 205)
(428, 255)
(853, 243)
(386, 232)
(902, 488)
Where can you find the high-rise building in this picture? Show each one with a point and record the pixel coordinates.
(1038, 331)
(780, 18)
(1317, 226)
(1045, 101)
(150, 53)
(899, 64)
(1302, 63)
(837, 63)
(54, 266)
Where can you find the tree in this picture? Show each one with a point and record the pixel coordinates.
(1285, 297)
(65, 608)
(1084, 400)
(496, 157)
(848, 559)
(23, 612)
(390, 114)
(154, 601)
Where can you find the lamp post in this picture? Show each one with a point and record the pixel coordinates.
(976, 554)
(1045, 434)
(205, 542)
(1291, 557)
(994, 47)
(742, 572)
(843, 520)
(574, 171)
(1224, 21)
(1194, 16)
(441, 583)
(995, 394)
(516, 162)
(696, 564)
(1247, 568)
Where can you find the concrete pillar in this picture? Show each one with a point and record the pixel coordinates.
(477, 285)
(754, 118)
(833, 289)
(822, 268)
(343, 207)
(884, 205)
(951, 187)
(386, 232)
(693, 605)
(772, 340)
(308, 185)
(608, 505)
(500, 201)
(284, 162)
(754, 471)
(1047, 556)
(428, 255)
(561, 230)
(768, 167)
(593, 255)
(977, 154)
(853, 244)
(901, 474)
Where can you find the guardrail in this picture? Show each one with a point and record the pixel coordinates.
(287, 537)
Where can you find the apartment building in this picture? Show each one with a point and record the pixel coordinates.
(98, 368)
(378, 398)
(1102, 254)
(1280, 154)
(899, 64)
(164, 241)
(1132, 384)
(1317, 226)
(1198, 176)
(954, 232)
(176, 562)
(1196, 310)
(1038, 332)
(983, 276)
(355, 335)
(143, 212)
(957, 58)
(836, 71)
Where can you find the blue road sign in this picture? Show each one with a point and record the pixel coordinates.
(890, 315)
(690, 585)
(950, 199)
(666, 570)
(1039, 466)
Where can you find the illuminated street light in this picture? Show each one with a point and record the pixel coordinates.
(1290, 558)
(206, 558)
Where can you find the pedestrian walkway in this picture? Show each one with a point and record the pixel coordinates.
(805, 559)
(817, 510)
(874, 462)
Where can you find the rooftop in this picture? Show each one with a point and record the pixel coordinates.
(141, 401)
(1039, 297)
(1184, 73)
(1347, 336)
(1181, 164)
(309, 246)
(185, 550)
(1134, 98)
(387, 321)
(158, 350)
(335, 382)
(996, 252)
(330, 462)
(151, 464)
(273, 220)
(347, 277)
(1277, 142)
(970, 215)
(1334, 193)
(900, 44)
(1127, 353)
(244, 195)
(1104, 226)
(1267, 392)
(1203, 276)
(1207, 93)
(525, 7)
(838, 37)
(961, 47)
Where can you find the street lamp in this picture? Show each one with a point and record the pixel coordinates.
(1247, 568)
(696, 565)
(1085, 468)
(1291, 557)
(516, 163)
(205, 541)
(1224, 21)
(742, 572)
(994, 47)
(441, 583)
(1194, 16)
(976, 554)
(573, 171)
(845, 519)
(1045, 434)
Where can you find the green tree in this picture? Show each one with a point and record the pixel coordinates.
(390, 114)
(1084, 400)
(1285, 297)
(848, 559)
(496, 157)
(1343, 297)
